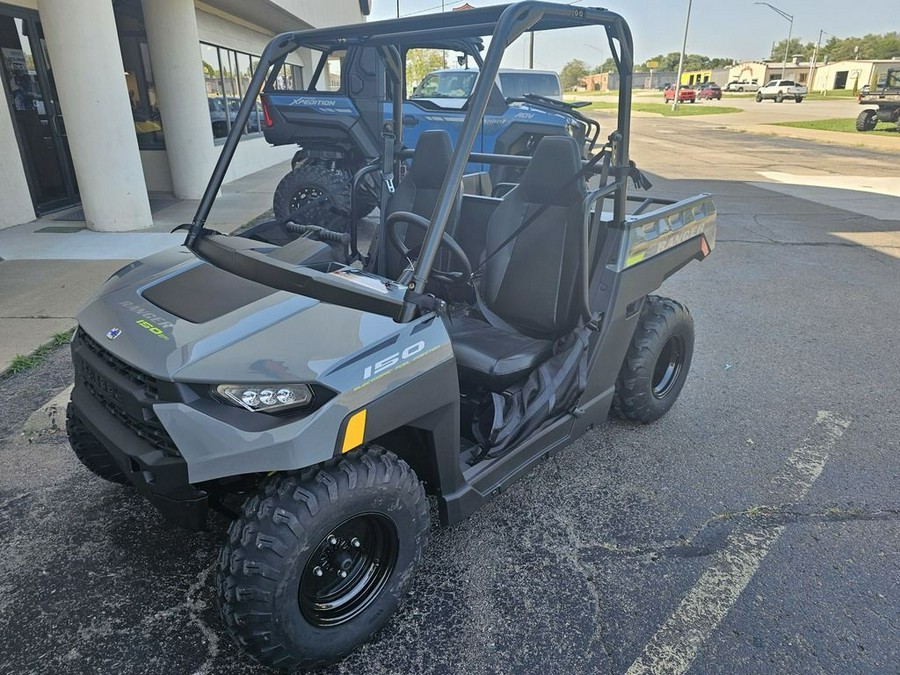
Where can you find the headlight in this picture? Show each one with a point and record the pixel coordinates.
(266, 398)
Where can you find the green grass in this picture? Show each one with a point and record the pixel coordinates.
(665, 109)
(830, 95)
(21, 363)
(844, 125)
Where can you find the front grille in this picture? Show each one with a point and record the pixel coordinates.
(146, 382)
(148, 428)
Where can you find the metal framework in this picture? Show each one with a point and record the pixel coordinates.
(504, 23)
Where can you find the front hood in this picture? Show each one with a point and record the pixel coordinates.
(157, 316)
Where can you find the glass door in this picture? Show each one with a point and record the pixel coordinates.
(34, 106)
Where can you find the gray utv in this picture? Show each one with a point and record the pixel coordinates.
(319, 394)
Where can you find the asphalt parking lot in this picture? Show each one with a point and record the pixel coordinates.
(754, 529)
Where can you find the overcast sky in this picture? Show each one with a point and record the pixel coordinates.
(727, 28)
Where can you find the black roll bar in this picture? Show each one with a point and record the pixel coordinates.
(504, 23)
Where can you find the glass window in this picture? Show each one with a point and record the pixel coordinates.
(139, 74)
(228, 73)
(329, 78)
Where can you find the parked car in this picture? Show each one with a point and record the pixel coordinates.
(778, 90)
(742, 85)
(685, 94)
(710, 90)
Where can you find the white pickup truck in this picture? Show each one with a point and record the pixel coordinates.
(778, 90)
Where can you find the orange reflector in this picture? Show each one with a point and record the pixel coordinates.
(356, 430)
(704, 247)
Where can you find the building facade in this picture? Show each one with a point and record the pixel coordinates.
(851, 75)
(762, 72)
(107, 102)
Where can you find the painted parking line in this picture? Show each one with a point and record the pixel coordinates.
(675, 645)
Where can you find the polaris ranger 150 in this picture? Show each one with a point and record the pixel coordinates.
(319, 400)
(340, 132)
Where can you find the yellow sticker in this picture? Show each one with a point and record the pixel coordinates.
(635, 259)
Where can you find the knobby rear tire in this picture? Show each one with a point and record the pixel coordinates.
(645, 389)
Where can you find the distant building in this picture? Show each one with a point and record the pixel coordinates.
(654, 79)
(851, 74)
(691, 78)
(825, 76)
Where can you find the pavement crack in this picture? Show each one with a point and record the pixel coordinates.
(12, 500)
(586, 571)
(195, 606)
(711, 536)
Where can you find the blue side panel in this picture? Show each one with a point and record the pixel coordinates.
(491, 129)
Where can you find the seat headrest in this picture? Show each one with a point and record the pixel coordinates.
(431, 159)
(550, 177)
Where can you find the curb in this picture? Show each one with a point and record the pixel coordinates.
(50, 417)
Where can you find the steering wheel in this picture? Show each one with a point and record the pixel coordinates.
(423, 224)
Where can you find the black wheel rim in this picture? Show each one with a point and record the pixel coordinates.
(348, 570)
(303, 196)
(668, 367)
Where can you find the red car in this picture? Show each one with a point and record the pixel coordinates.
(685, 94)
(711, 91)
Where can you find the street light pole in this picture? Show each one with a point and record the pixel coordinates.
(789, 17)
(687, 23)
(398, 9)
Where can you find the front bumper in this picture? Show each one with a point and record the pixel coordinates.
(116, 407)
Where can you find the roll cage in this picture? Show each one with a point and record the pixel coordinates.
(504, 24)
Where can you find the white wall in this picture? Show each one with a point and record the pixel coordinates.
(223, 33)
(15, 198)
(254, 154)
(156, 171)
(323, 14)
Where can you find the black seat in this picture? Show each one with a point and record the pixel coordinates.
(530, 283)
(418, 193)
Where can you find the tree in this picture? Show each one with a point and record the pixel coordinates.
(805, 51)
(871, 46)
(691, 62)
(608, 66)
(420, 62)
(572, 72)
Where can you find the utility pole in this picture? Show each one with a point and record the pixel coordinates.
(787, 46)
(687, 23)
(531, 50)
(815, 56)
(398, 9)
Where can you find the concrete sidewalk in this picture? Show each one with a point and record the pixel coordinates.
(50, 267)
